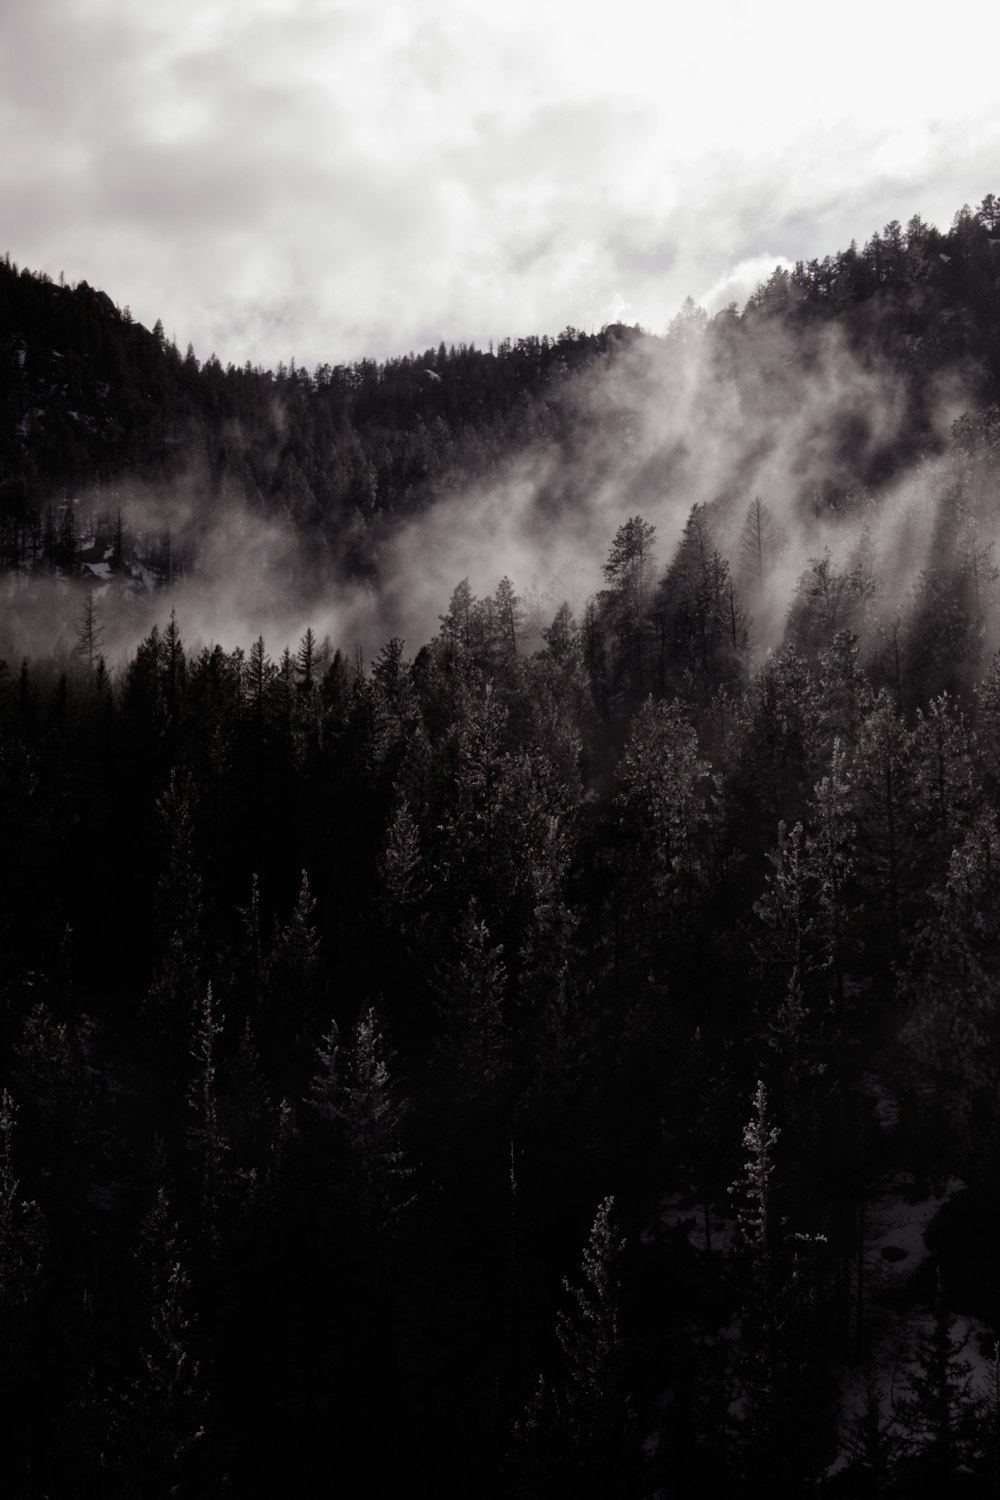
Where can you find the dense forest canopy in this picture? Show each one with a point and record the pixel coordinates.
(557, 1052)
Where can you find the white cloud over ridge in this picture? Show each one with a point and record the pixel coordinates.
(329, 180)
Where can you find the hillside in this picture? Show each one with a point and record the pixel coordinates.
(97, 410)
(558, 1054)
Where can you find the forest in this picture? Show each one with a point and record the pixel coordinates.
(558, 1052)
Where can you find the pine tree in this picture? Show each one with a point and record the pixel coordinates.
(761, 543)
(576, 1435)
(205, 1135)
(260, 675)
(473, 1046)
(828, 600)
(509, 618)
(401, 871)
(938, 1411)
(562, 636)
(22, 1234)
(323, 1095)
(883, 778)
(295, 973)
(305, 662)
(173, 667)
(22, 1258)
(118, 543)
(245, 1115)
(950, 991)
(354, 1091)
(88, 631)
(873, 1444)
(989, 1424)
(163, 1413)
(176, 988)
(781, 1436)
(625, 601)
(701, 627)
(254, 955)
(665, 804)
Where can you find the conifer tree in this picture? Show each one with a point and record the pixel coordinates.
(323, 1095)
(401, 870)
(176, 988)
(22, 1234)
(305, 662)
(295, 975)
(576, 1435)
(665, 804)
(473, 1046)
(938, 1410)
(206, 1136)
(950, 990)
(562, 636)
(354, 1091)
(173, 666)
(254, 953)
(701, 626)
(761, 544)
(23, 1251)
(161, 1418)
(873, 1444)
(245, 1116)
(781, 1437)
(89, 635)
(508, 617)
(625, 602)
(883, 777)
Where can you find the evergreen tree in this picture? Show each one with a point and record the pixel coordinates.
(938, 1411)
(509, 618)
(625, 602)
(206, 1137)
(665, 803)
(781, 1436)
(576, 1436)
(761, 544)
(295, 974)
(88, 631)
(473, 1046)
(873, 1444)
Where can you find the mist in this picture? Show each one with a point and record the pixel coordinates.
(705, 416)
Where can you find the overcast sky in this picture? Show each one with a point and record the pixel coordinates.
(328, 179)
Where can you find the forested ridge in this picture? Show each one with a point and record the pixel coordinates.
(558, 1057)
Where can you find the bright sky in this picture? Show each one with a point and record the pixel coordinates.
(327, 179)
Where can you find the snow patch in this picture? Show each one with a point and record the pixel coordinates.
(894, 1225)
